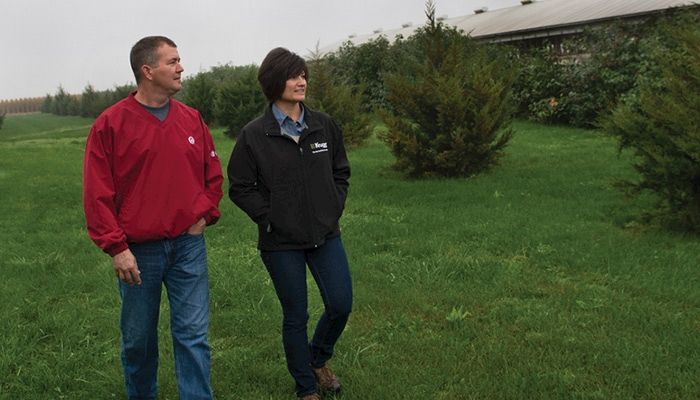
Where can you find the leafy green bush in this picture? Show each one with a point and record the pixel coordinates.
(599, 68)
(450, 104)
(362, 67)
(660, 122)
(339, 101)
(577, 89)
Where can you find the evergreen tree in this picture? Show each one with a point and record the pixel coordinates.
(339, 101)
(661, 124)
(47, 105)
(90, 102)
(199, 92)
(451, 104)
(239, 100)
(64, 103)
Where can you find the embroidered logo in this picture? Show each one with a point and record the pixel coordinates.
(213, 154)
(190, 139)
(318, 147)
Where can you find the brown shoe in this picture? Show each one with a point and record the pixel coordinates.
(326, 379)
(313, 396)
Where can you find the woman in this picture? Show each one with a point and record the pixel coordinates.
(289, 172)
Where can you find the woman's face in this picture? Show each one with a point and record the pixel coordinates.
(295, 89)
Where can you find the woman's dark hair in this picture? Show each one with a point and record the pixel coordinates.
(279, 65)
(145, 52)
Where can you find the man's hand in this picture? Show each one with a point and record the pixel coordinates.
(125, 267)
(198, 228)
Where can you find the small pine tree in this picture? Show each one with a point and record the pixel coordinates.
(90, 102)
(239, 100)
(199, 92)
(64, 103)
(339, 101)
(451, 104)
(661, 124)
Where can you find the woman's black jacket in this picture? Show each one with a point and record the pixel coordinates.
(294, 192)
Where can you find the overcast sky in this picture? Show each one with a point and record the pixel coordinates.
(47, 43)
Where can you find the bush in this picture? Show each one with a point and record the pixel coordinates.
(362, 67)
(64, 103)
(2, 119)
(239, 99)
(339, 101)
(199, 92)
(661, 124)
(598, 69)
(90, 102)
(451, 104)
(577, 92)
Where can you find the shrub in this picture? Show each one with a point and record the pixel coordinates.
(451, 104)
(598, 69)
(239, 99)
(577, 92)
(339, 101)
(90, 102)
(47, 105)
(2, 119)
(661, 124)
(362, 67)
(64, 103)
(199, 92)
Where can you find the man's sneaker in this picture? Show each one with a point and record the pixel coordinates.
(326, 379)
(312, 396)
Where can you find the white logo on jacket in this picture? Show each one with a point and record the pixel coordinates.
(190, 139)
(319, 147)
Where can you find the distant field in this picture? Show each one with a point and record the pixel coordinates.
(43, 126)
(531, 281)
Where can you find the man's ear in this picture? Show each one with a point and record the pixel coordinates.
(146, 72)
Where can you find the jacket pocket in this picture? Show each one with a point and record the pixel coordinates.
(286, 214)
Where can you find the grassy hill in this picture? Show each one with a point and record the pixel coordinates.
(532, 281)
(43, 126)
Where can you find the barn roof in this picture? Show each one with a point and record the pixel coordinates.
(535, 19)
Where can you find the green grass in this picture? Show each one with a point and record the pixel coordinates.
(43, 126)
(531, 281)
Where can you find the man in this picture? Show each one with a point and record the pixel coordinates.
(151, 183)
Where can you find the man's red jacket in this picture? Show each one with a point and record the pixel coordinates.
(145, 179)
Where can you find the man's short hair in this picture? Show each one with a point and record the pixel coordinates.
(279, 65)
(145, 52)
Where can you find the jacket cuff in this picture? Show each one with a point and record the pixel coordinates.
(211, 217)
(116, 249)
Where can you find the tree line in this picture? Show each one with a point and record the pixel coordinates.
(19, 106)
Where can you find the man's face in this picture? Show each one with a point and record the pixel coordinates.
(166, 75)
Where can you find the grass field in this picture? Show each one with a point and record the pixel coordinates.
(532, 281)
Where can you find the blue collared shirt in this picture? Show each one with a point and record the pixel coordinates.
(288, 126)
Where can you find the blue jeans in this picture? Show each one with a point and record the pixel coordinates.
(329, 266)
(180, 264)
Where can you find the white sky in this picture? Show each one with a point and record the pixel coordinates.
(47, 43)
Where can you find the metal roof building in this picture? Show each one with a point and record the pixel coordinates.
(536, 19)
